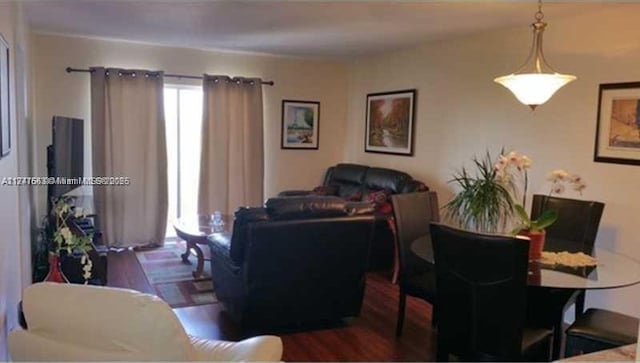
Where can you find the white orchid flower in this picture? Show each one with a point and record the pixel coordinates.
(66, 234)
(88, 266)
(557, 188)
(558, 175)
(579, 187)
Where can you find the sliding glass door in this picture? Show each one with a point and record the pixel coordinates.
(183, 115)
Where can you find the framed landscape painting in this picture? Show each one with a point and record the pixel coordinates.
(618, 127)
(389, 122)
(300, 124)
(5, 123)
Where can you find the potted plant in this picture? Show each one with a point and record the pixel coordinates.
(67, 241)
(484, 202)
(513, 168)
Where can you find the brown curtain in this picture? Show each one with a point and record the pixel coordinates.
(128, 136)
(232, 162)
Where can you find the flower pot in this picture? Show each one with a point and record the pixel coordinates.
(536, 244)
(55, 274)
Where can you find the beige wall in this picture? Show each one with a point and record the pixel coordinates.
(14, 208)
(461, 113)
(59, 93)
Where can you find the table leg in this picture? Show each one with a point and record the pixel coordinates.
(200, 266)
(557, 339)
(396, 251)
(185, 255)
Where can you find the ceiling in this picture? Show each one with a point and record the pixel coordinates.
(333, 29)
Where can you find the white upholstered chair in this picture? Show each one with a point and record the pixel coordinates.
(69, 322)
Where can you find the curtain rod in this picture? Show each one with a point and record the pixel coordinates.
(186, 76)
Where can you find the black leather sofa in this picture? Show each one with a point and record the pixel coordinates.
(296, 261)
(356, 182)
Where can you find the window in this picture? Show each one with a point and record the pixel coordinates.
(183, 116)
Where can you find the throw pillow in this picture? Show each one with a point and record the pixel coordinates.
(380, 200)
(422, 187)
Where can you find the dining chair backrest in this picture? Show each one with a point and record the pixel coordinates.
(576, 228)
(413, 213)
(482, 287)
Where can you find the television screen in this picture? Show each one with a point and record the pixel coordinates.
(68, 152)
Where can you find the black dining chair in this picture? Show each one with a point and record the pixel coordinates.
(600, 329)
(416, 277)
(482, 297)
(575, 230)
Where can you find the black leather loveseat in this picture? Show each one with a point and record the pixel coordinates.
(295, 261)
(355, 182)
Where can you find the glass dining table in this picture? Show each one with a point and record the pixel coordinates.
(613, 270)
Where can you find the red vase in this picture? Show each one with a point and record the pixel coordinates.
(55, 275)
(534, 278)
(536, 244)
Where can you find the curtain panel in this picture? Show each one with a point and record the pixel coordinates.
(128, 136)
(232, 161)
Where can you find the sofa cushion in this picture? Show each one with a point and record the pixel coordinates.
(350, 192)
(325, 190)
(381, 178)
(348, 178)
(305, 207)
(348, 174)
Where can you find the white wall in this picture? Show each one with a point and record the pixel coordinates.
(461, 112)
(14, 207)
(59, 93)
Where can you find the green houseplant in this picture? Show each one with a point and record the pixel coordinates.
(489, 200)
(66, 241)
(484, 202)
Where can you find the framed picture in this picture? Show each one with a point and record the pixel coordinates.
(300, 124)
(389, 122)
(618, 127)
(5, 115)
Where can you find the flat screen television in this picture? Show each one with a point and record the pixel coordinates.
(66, 154)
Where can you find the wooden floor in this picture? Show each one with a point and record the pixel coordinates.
(369, 337)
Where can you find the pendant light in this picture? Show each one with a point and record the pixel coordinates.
(535, 82)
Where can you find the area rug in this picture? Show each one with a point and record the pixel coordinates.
(172, 279)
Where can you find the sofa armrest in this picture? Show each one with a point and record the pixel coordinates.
(294, 193)
(220, 247)
(414, 186)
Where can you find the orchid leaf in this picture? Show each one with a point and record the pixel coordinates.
(517, 230)
(546, 219)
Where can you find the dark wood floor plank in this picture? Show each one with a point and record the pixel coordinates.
(125, 271)
(369, 337)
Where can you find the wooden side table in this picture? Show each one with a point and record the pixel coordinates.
(194, 231)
